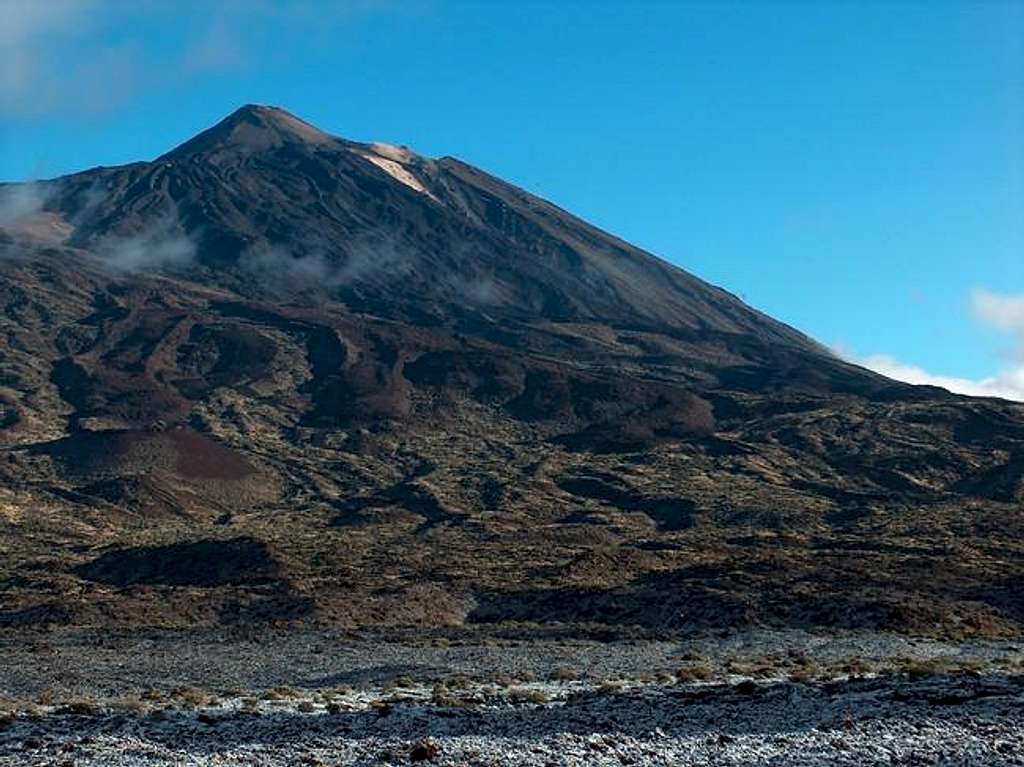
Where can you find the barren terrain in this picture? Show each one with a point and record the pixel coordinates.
(322, 698)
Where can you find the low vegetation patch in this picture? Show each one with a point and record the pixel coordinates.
(695, 672)
(520, 696)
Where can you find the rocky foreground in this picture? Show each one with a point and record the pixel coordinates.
(941, 720)
(860, 700)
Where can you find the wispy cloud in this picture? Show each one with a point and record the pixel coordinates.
(1001, 312)
(57, 56)
(30, 30)
(53, 61)
(161, 243)
(314, 263)
(21, 201)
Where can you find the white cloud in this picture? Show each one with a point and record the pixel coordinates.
(1008, 384)
(1000, 312)
(1004, 313)
(162, 242)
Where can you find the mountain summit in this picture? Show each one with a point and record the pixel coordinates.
(278, 375)
(251, 128)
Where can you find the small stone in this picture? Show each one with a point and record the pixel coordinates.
(423, 751)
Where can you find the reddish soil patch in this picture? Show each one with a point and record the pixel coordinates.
(117, 453)
(199, 457)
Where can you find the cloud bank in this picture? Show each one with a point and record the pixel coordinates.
(1001, 312)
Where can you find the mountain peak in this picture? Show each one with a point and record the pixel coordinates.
(250, 128)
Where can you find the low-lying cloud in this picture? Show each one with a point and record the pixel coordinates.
(162, 242)
(316, 263)
(19, 202)
(1001, 312)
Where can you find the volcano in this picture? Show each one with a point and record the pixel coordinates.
(422, 396)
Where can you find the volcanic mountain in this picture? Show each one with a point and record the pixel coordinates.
(274, 375)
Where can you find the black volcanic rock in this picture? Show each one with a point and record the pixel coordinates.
(438, 399)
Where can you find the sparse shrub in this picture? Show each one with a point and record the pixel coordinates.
(279, 693)
(441, 642)
(919, 669)
(458, 682)
(129, 705)
(694, 673)
(564, 675)
(190, 696)
(755, 667)
(803, 674)
(83, 707)
(971, 666)
(527, 696)
(855, 667)
(442, 698)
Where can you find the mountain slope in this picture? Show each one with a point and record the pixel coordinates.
(378, 217)
(393, 391)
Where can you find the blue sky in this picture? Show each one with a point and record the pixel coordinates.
(855, 169)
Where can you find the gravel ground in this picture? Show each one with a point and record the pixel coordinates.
(86, 663)
(941, 720)
(158, 700)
